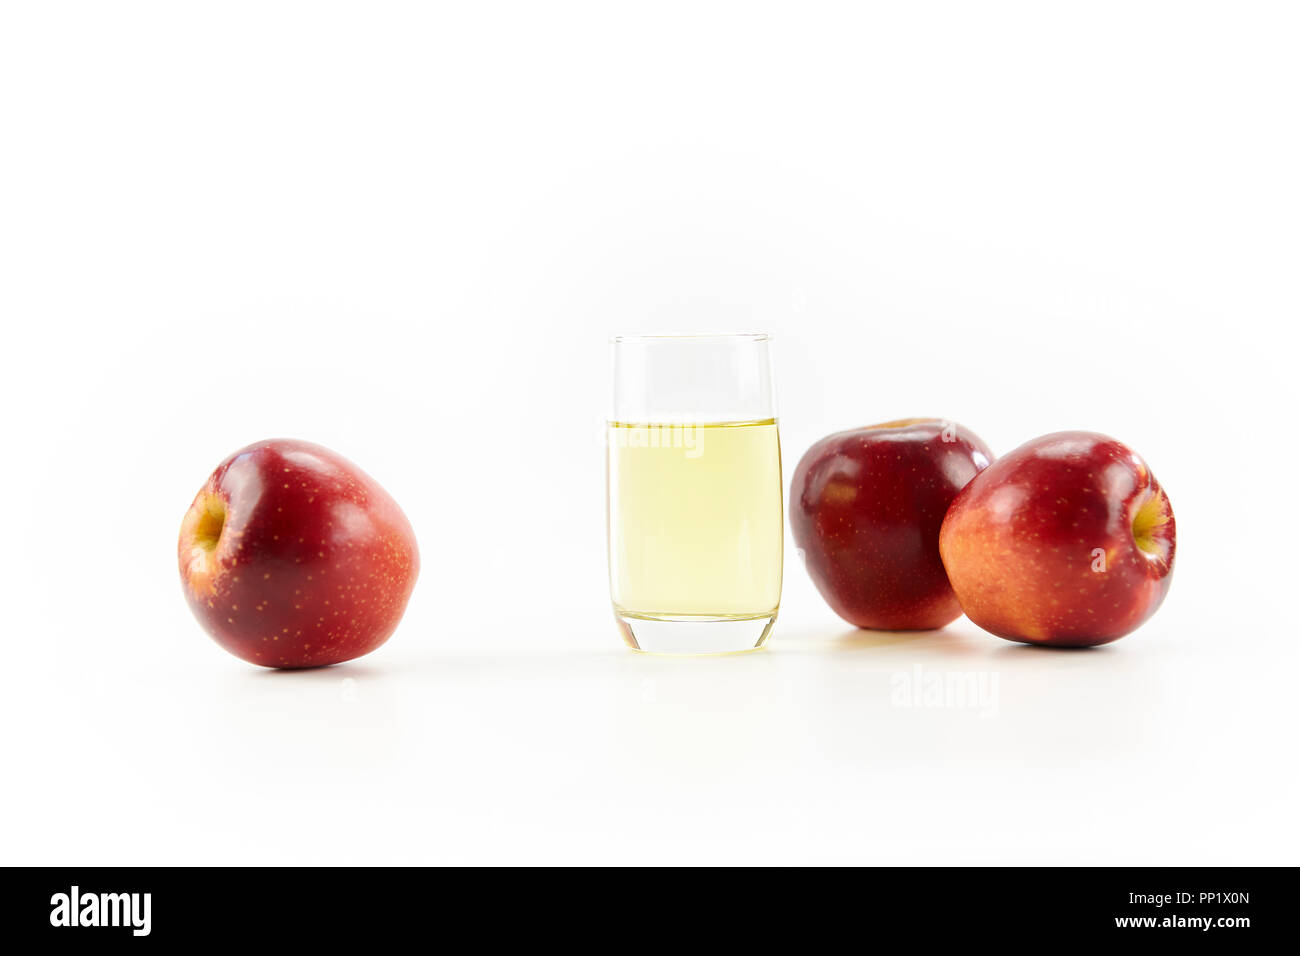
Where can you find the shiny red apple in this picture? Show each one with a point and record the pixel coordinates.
(865, 508)
(292, 556)
(1068, 540)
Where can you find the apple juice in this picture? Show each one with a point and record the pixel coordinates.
(695, 520)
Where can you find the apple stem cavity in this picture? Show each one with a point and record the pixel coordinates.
(211, 521)
(1148, 520)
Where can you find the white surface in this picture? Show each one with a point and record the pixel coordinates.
(407, 233)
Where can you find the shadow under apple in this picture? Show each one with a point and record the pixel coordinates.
(330, 673)
(947, 640)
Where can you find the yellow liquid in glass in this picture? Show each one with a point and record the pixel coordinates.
(695, 519)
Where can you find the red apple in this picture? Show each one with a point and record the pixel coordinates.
(866, 506)
(292, 556)
(1068, 540)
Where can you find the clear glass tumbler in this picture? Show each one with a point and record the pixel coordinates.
(694, 493)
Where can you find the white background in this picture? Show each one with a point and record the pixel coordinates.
(406, 232)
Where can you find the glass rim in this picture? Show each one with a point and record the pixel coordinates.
(698, 337)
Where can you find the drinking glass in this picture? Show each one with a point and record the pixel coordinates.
(696, 530)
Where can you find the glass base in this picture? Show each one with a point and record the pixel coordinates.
(694, 635)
